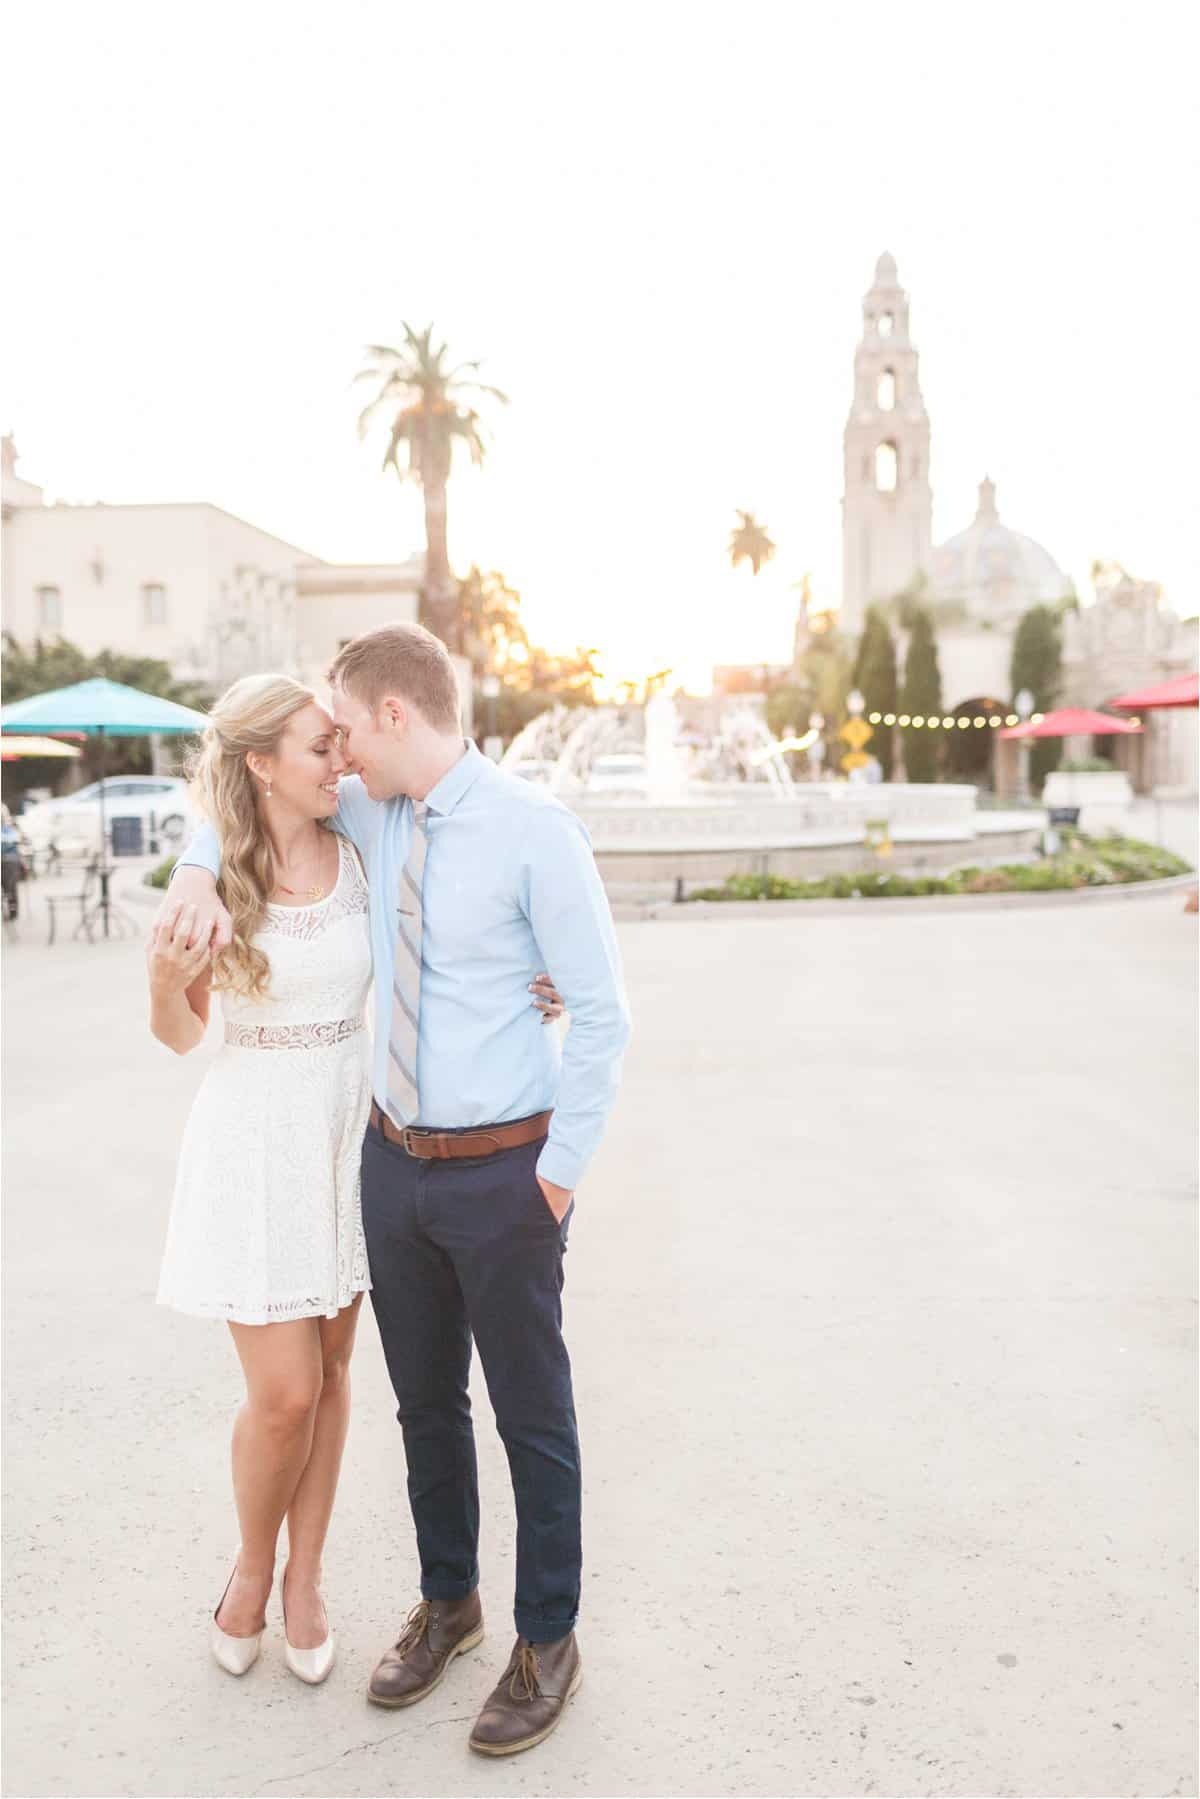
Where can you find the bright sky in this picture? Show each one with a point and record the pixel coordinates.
(654, 223)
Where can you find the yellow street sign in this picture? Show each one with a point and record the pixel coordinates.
(856, 732)
(854, 759)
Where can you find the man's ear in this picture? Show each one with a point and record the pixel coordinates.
(393, 713)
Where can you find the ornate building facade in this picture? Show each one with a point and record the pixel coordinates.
(979, 582)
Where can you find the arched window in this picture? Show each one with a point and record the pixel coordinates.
(885, 391)
(886, 322)
(885, 468)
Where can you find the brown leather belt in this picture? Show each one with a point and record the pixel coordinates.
(443, 1145)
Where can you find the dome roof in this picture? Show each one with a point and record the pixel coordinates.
(998, 573)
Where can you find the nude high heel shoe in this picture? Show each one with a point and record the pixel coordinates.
(234, 1654)
(309, 1665)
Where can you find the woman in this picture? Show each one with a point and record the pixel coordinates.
(265, 1230)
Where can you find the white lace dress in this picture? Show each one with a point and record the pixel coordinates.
(266, 1223)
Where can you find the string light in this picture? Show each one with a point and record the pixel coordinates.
(875, 718)
(993, 721)
(904, 719)
(889, 718)
(1012, 719)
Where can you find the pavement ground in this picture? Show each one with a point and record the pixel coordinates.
(880, 1301)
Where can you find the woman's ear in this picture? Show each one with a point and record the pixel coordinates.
(257, 765)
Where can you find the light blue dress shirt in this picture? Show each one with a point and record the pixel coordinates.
(510, 888)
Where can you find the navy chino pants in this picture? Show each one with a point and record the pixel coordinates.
(469, 1249)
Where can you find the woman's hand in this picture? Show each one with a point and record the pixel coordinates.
(195, 888)
(171, 964)
(546, 997)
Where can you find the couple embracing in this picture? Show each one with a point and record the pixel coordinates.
(436, 1168)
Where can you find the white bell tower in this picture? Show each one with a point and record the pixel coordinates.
(887, 502)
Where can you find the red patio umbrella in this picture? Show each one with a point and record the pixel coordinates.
(1182, 690)
(1075, 721)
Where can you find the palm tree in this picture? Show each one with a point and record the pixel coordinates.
(749, 542)
(430, 406)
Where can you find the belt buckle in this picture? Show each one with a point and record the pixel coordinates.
(406, 1134)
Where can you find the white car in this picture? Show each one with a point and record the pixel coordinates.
(73, 821)
(618, 774)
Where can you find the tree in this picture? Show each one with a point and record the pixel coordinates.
(492, 634)
(430, 409)
(749, 542)
(875, 678)
(543, 680)
(1037, 667)
(921, 697)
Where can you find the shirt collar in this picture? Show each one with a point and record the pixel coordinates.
(457, 781)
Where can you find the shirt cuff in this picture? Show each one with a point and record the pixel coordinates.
(558, 1166)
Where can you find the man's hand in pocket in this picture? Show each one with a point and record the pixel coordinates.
(557, 1198)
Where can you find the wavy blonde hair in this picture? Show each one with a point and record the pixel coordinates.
(250, 716)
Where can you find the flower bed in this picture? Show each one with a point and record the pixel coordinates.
(1082, 862)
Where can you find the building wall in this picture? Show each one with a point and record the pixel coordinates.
(974, 663)
(334, 603)
(101, 559)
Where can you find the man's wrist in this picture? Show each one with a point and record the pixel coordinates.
(559, 1167)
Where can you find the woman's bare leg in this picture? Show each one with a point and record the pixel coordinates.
(272, 1435)
(312, 1503)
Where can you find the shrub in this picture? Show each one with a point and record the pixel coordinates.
(1082, 862)
(159, 877)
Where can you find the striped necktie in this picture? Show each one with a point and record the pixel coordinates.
(403, 1100)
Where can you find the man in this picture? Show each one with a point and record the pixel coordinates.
(480, 1133)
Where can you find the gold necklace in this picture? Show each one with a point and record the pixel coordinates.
(316, 892)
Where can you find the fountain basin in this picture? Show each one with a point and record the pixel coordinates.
(819, 828)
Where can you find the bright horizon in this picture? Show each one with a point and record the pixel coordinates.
(655, 229)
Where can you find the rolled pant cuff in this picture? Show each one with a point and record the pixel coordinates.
(536, 1629)
(448, 1589)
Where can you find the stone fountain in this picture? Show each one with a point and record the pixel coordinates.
(734, 807)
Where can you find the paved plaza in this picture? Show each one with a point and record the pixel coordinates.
(880, 1303)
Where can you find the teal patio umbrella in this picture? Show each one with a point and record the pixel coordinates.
(100, 708)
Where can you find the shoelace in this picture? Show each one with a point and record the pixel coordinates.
(525, 1675)
(416, 1625)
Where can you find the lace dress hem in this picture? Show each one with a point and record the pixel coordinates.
(273, 1312)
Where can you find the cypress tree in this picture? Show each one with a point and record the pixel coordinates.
(875, 678)
(921, 697)
(1037, 665)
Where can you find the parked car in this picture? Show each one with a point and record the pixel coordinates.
(73, 820)
(618, 774)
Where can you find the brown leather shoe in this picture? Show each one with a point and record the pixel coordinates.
(530, 1698)
(435, 1631)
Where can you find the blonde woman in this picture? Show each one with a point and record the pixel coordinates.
(265, 1229)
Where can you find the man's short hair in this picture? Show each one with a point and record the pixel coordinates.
(406, 660)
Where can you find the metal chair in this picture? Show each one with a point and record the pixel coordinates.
(85, 899)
